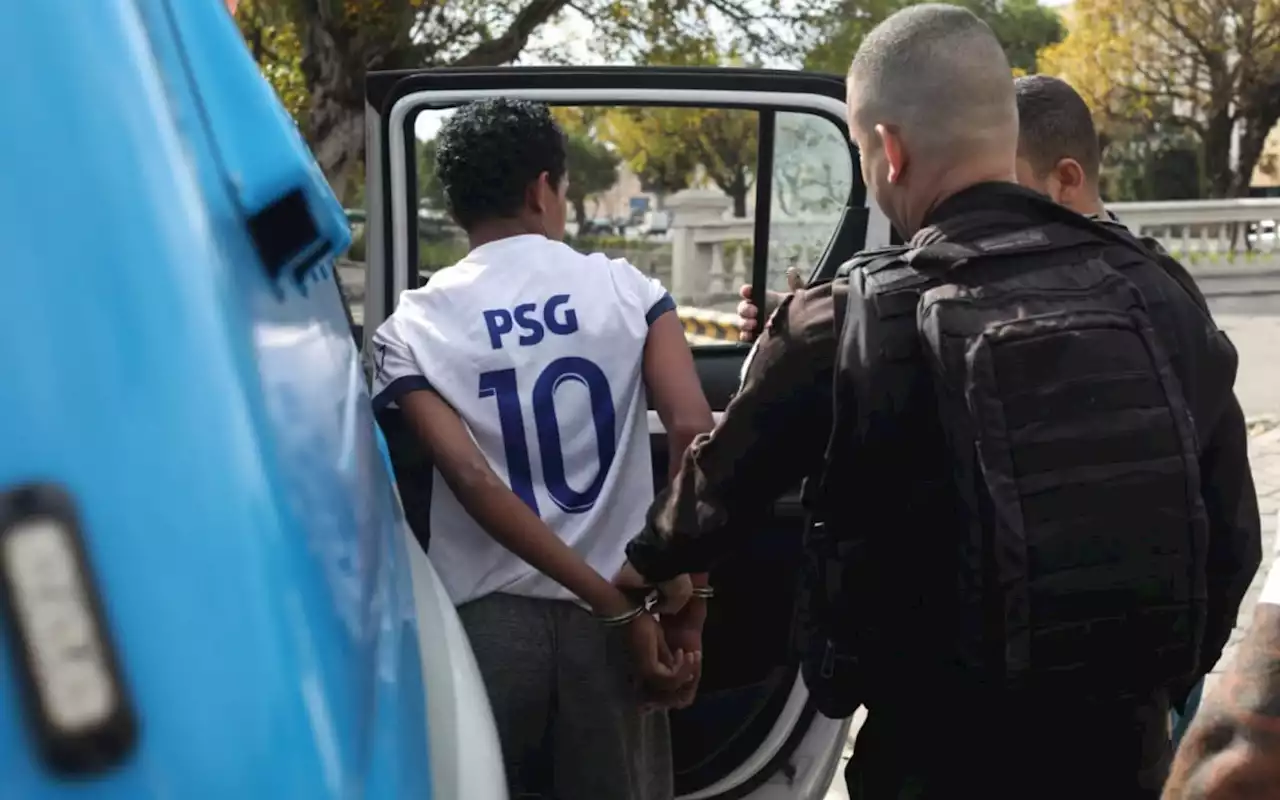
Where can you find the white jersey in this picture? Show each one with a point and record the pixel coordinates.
(539, 348)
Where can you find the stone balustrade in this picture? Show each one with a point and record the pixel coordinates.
(1211, 236)
(707, 253)
(710, 253)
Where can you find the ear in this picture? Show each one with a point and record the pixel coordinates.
(536, 195)
(1070, 174)
(894, 152)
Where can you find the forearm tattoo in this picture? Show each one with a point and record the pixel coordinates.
(1232, 749)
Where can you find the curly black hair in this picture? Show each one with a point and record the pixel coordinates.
(489, 151)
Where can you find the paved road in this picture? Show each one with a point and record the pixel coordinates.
(1253, 323)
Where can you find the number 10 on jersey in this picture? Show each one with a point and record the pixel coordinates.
(503, 385)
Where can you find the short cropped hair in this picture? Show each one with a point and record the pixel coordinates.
(489, 151)
(1054, 123)
(939, 72)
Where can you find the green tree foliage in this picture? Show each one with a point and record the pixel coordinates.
(592, 165)
(1024, 27)
(726, 142)
(430, 191)
(1209, 67)
(670, 149)
(1160, 163)
(274, 43)
(651, 142)
(316, 52)
(593, 168)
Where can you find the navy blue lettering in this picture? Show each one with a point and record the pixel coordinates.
(529, 323)
(560, 327)
(498, 321)
(503, 386)
(557, 317)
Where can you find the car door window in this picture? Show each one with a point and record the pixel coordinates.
(813, 183)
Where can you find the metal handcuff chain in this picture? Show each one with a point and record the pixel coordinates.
(650, 602)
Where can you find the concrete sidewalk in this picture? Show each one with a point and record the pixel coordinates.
(1254, 328)
(1264, 456)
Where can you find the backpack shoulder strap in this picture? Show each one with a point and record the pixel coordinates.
(872, 260)
(1115, 232)
(1174, 269)
(940, 256)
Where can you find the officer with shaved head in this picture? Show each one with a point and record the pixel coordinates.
(932, 110)
(1030, 509)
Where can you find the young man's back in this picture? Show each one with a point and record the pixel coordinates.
(523, 371)
(540, 350)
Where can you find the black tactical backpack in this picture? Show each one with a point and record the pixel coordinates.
(1078, 535)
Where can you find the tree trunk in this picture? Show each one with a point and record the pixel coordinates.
(334, 59)
(339, 146)
(1218, 174)
(738, 191)
(335, 116)
(580, 212)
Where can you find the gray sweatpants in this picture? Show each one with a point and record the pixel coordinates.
(567, 707)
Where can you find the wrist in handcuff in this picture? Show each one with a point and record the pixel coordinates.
(646, 606)
(619, 620)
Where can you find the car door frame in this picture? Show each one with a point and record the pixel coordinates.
(394, 99)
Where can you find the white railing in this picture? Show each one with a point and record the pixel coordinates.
(710, 253)
(1211, 236)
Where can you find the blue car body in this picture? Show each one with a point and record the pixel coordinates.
(195, 390)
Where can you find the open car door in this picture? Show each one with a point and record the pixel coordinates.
(776, 185)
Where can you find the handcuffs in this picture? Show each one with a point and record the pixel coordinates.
(649, 602)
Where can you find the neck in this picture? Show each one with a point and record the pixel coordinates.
(495, 229)
(948, 181)
(1093, 207)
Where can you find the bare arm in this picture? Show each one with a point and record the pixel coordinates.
(497, 509)
(671, 378)
(773, 432)
(1232, 749)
